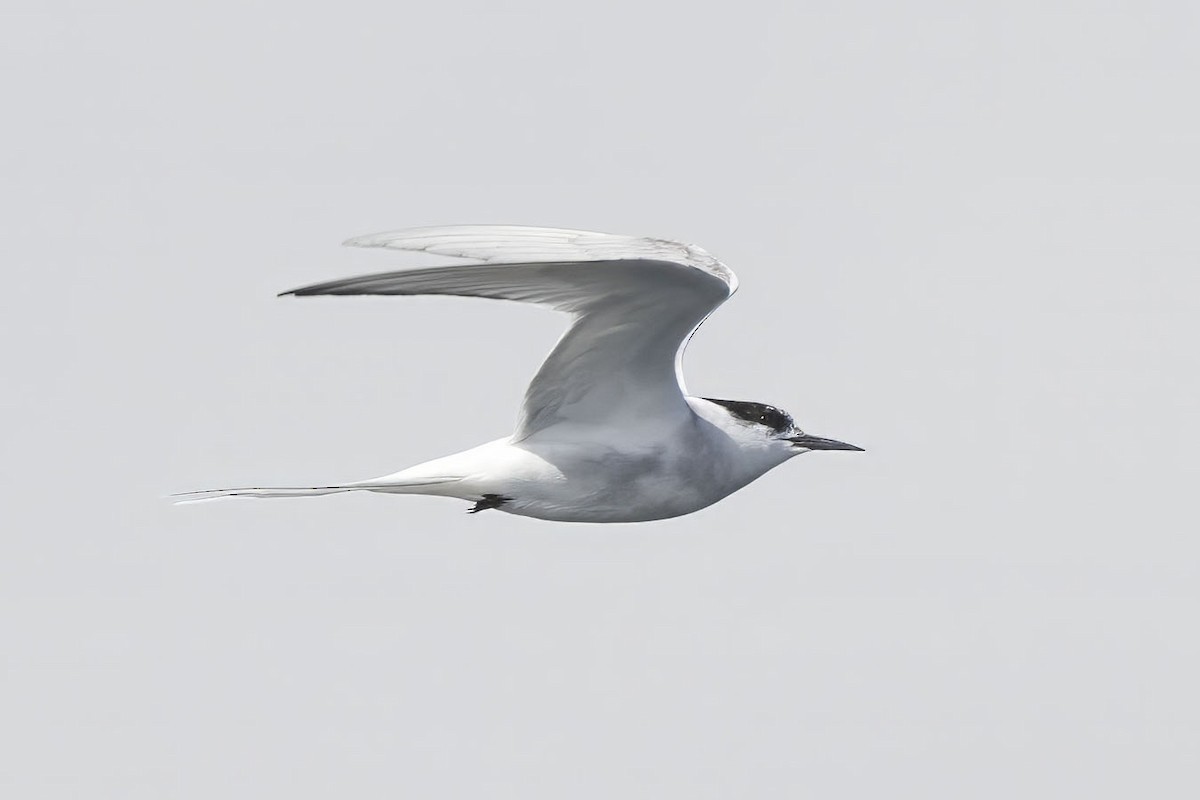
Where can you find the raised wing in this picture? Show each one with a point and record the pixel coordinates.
(635, 303)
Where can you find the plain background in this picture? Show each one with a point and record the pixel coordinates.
(966, 235)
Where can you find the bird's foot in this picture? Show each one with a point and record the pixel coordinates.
(489, 501)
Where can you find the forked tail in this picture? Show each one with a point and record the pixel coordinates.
(278, 491)
(398, 487)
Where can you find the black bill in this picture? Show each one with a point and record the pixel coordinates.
(821, 443)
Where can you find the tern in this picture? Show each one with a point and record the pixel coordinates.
(607, 431)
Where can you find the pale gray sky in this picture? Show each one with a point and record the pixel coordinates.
(966, 239)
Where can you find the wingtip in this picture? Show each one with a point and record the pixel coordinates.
(366, 240)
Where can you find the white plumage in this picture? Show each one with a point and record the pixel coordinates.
(607, 432)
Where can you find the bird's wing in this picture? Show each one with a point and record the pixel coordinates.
(635, 303)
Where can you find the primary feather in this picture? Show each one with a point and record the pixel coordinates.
(635, 301)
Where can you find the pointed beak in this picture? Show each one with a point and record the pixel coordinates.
(820, 443)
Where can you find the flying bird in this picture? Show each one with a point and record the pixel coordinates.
(607, 431)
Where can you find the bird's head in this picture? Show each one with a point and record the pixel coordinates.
(761, 425)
